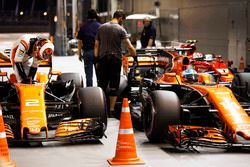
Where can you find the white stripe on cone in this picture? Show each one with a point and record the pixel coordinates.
(125, 109)
(2, 135)
(1, 112)
(126, 131)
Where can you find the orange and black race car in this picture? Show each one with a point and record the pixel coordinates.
(189, 110)
(45, 110)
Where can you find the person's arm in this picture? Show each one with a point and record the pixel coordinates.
(32, 72)
(80, 37)
(96, 49)
(33, 68)
(130, 47)
(80, 49)
(152, 37)
(19, 56)
(150, 42)
(20, 69)
(4, 57)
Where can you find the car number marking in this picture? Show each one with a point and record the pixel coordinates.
(2, 135)
(31, 102)
(229, 105)
(232, 107)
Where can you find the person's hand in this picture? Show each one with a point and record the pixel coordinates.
(135, 60)
(96, 60)
(79, 55)
(26, 80)
(80, 58)
(135, 63)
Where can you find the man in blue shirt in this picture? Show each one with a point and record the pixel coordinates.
(148, 33)
(86, 36)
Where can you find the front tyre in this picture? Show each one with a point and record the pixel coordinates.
(162, 109)
(93, 104)
(241, 86)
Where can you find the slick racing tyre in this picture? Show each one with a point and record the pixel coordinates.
(76, 77)
(93, 104)
(241, 86)
(163, 109)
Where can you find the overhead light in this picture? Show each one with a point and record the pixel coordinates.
(55, 18)
(103, 14)
(174, 16)
(45, 13)
(21, 13)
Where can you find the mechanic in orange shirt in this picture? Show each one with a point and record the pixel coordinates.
(26, 54)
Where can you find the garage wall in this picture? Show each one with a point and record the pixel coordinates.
(208, 24)
(248, 34)
(169, 25)
(237, 27)
(221, 26)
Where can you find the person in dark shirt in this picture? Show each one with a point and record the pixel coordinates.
(108, 49)
(148, 33)
(86, 42)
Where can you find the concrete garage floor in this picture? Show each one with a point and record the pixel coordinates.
(95, 154)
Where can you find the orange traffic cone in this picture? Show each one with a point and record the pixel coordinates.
(125, 147)
(4, 151)
(241, 66)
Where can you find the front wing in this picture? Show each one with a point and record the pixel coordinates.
(74, 130)
(189, 136)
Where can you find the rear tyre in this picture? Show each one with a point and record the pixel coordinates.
(93, 104)
(76, 77)
(162, 109)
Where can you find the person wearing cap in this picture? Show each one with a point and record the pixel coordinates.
(148, 34)
(108, 50)
(86, 42)
(27, 53)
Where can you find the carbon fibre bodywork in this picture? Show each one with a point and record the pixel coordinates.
(52, 110)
